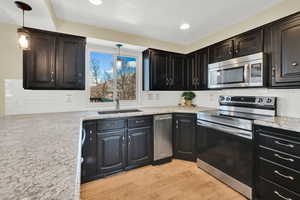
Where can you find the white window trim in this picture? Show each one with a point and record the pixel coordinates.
(114, 52)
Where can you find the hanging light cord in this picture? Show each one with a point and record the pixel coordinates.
(23, 16)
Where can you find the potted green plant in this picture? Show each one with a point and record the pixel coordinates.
(188, 97)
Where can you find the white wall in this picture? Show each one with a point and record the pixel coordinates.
(20, 101)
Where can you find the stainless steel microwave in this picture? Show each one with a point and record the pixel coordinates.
(246, 71)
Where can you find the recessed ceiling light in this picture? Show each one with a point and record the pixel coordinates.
(96, 2)
(184, 26)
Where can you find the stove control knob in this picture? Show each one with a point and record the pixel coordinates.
(228, 98)
(260, 100)
(222, 98)
(269, 100)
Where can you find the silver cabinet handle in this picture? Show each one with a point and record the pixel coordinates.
(294, 64)
(283, 158)
(283, 197)
(139, 121)
(84, 136)
(123, 138)
(129, 140)
(284, 176)
(176, 123)
(286, 145)
(51, 76)
(273, 71)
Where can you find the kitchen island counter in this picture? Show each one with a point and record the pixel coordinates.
(41, 152)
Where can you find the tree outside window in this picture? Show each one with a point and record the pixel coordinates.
(106, 79)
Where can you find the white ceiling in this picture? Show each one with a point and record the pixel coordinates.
(39, 17)
(160, 19)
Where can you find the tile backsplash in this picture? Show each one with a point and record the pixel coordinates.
(20, 101)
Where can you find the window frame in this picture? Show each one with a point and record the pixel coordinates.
(114, 52)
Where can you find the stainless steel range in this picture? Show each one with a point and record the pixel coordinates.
(224, 139)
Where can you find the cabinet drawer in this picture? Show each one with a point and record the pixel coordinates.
(140, 122)
(280, 175)
(270, 191)
(280, 144)
(280, 158)
(111, 124)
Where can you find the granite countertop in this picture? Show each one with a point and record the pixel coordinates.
(286, 123)
(40, 153)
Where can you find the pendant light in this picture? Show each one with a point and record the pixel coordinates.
(119, 60)
(23, 34)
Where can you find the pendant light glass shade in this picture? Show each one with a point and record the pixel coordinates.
(23, 39)
(119, 61)
(23, 36)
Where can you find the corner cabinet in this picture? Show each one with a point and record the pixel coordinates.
(55, 61)
(163, 70)
(185, 136)
(197, 70)
(285, 48)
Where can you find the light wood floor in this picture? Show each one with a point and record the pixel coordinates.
(178, 180)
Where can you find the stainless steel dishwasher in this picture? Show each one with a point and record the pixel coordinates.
(163, 137)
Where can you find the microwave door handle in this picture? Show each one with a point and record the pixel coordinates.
(248, 73)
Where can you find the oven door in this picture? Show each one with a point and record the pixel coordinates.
(229, 150)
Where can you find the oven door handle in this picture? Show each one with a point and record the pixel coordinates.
(229, 130)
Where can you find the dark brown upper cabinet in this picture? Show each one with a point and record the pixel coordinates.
(55, 61)
(285, 48)
(221, 51)
(159, 62)
(39, 63)
(163, 70)
(248, 43)
(177, 72)
(197, 69)
(244, 44)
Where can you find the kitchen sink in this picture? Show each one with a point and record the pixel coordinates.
(118, 111)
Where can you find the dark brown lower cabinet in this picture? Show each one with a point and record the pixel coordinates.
(111, 147)
(139, 146)
(277, 164)
(185, 136)
(111, 152)
(89, 152)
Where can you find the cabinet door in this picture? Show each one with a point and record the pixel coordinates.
(71, 63)
(177, 72)
(285, 52)
(39, 63)
(111, 154)
(139, 146)
(159, 62)
(248, 43)
(185, 133)
(221, 51)
(89, 152)
(197, 70)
